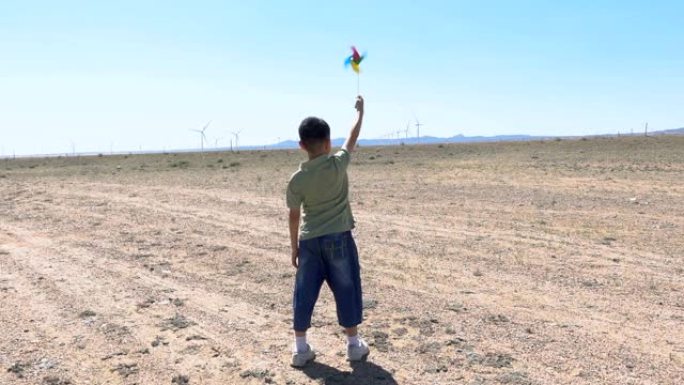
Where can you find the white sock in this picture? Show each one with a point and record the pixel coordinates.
(353, 340)
(300, 344)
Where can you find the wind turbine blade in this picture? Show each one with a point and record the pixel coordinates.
(206, 125)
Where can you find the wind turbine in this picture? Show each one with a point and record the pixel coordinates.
(418, 124)
(236, 134)
(407, 130)
(203, 137)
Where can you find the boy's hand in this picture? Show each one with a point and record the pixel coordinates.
(359, 104)
(295, 257)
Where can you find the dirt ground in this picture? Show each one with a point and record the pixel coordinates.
(558, 262)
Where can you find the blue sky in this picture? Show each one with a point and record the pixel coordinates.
(127, 75)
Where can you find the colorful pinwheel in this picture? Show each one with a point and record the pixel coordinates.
(354, 60)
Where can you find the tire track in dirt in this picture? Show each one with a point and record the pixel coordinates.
(218, 318)
(213, 312)
(194, 214)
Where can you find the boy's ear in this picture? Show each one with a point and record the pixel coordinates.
(302, 146)
(328, 145)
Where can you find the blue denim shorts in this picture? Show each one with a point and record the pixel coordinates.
(332, 258)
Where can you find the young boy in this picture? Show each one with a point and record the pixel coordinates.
(322, 247)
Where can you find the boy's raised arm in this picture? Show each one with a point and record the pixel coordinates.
(350, 143)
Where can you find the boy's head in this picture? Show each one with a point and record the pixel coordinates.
(314, 135)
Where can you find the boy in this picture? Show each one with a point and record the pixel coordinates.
(323, 248)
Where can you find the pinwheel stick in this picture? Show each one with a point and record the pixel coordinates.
(358, 77)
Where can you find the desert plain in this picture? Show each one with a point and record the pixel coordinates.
(542, 262)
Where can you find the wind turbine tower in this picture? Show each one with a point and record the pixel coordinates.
(418, 124)
(236, 134)
(203, 137)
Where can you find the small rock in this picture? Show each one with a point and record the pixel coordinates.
(87, 313)
(54, 380)
(498, 318)
(456, 307)
(400, 331)
(126, 369)
(437, 369)
(256, 373)
(515, 378)
(380, 341)
(497, 360)
(457, 342)
(17, 369)
(115, 354)
(473, 358)
(430, 347)
(147, 303)
(380, 335)
(46, 363)
(177, 322)
(159, 340)
(180, 380)
(370, 304)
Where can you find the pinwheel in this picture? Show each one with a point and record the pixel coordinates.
(354, 60)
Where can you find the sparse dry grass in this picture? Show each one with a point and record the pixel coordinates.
(553, 262)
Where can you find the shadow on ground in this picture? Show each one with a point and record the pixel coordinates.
(366, 373)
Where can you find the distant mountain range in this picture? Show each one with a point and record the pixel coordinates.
(337, 142)
(457, 139)
(674, 131)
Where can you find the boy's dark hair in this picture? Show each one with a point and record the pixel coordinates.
(313, 131)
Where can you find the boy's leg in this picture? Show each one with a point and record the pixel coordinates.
(308, 282)
(352, 336)
(344, 278)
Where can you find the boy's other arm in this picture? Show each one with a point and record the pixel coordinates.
(350, 143)
(294, 235)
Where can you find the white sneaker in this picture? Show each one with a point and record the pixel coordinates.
(358, 352)
(300, 359)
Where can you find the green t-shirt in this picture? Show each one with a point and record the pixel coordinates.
(321, 188)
